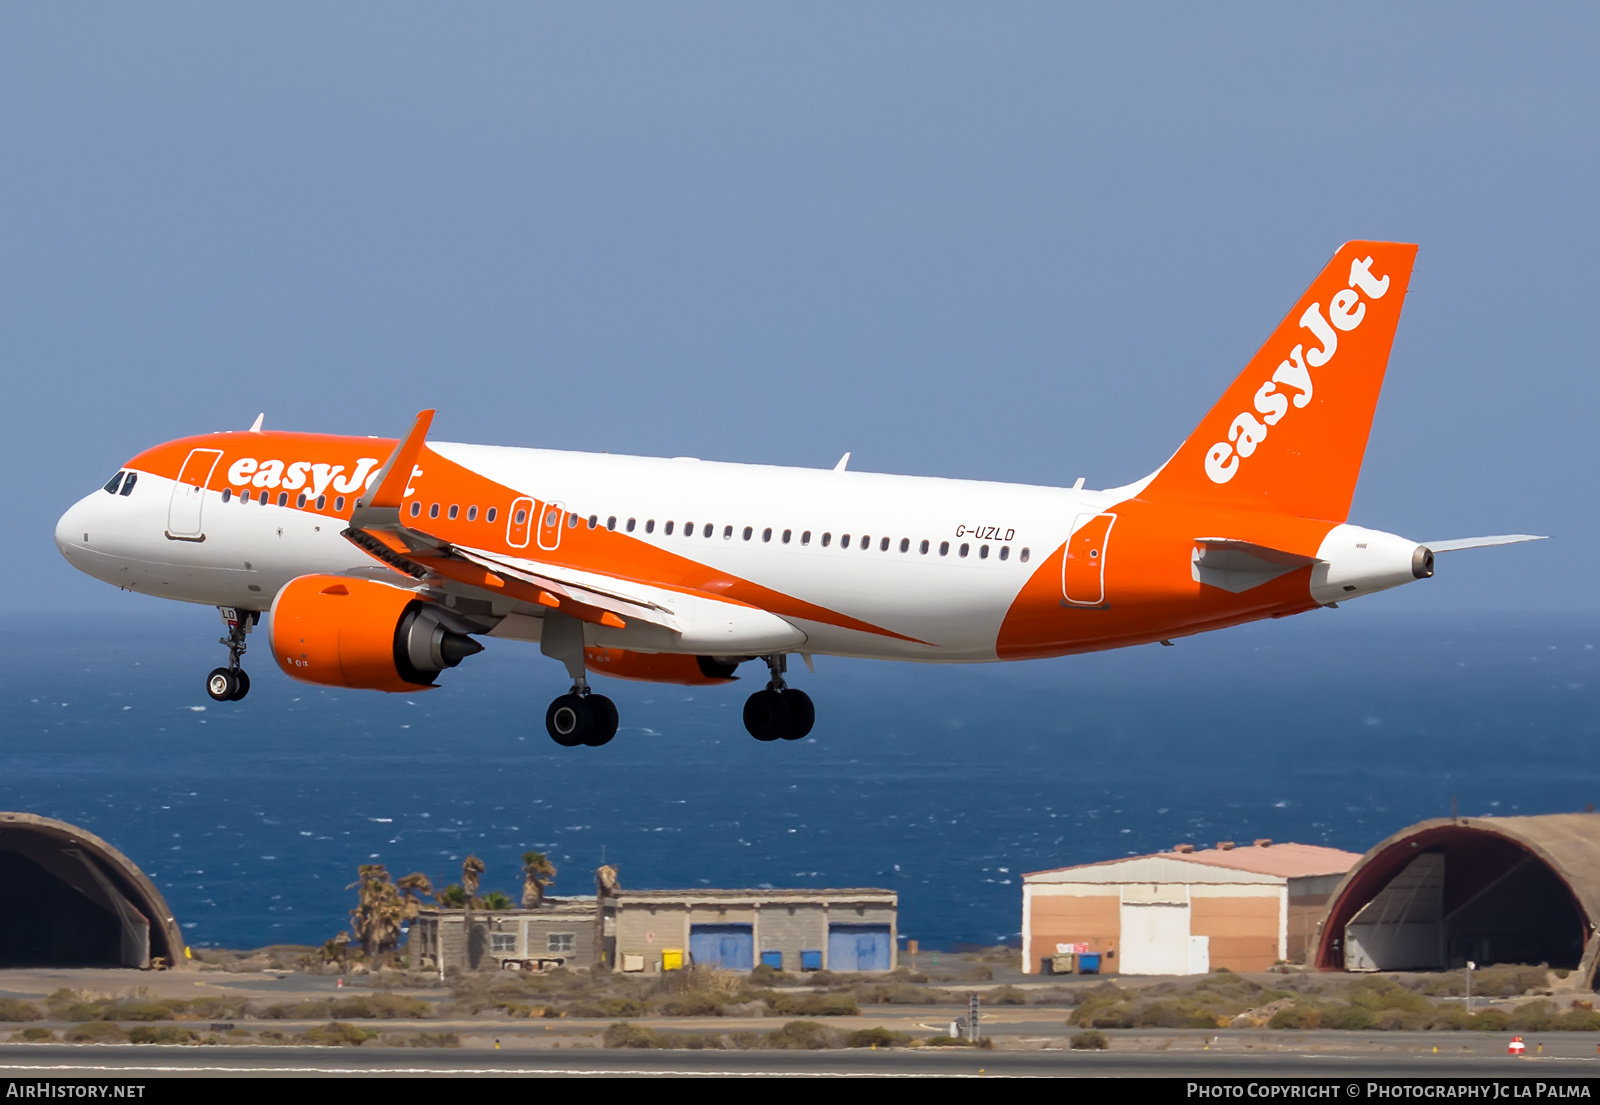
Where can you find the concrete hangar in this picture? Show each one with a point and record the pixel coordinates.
(1184, 911)
(1446, 892)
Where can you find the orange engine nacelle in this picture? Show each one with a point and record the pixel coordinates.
(341, 632)
(658, 667)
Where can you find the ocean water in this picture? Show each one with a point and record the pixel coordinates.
(944, 783)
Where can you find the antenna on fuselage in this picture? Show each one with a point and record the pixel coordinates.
(844, 460)
(255, 427)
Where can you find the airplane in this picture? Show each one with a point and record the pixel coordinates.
(380, 562)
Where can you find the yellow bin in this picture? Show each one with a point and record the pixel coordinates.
(672, 959)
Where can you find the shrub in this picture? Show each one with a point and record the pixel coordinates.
(142, 1010)
(337, 1034)
(1300, 1016)
(814, 1005)
(875, 1037)
(957, 1041)
(96, 1032)
(397, 1006)
(161, 1034)
(13, 1010)
(623, 1034)
(1005, 995)
(1090, 1041)
(1356, 1018)
(764, 975)
(33, 1035)
(898, 993)
(800, 1036)
(693, 1005)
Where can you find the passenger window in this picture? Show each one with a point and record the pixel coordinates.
(883, 546)
(572, 521)
(983, 552)
(611, 522)
(923, 548)
(748, 532)
(300, 500)
(322, 501)
(844, 542)
(766, 534)
(594, 520)
(112, 484)
(521, 517)
(650, 526)
(472, 513)
(1005, 552)
(786, 536)
(127, 484)
(707, 532)
(667, 530)
(433, 511)
(727, 533)
(964, 549)
(338, 506)
(227, 493)
(944, 548)
(454, 510)
(283, 498)
(631, 523)
(489, 517)
(1023, 556)
(825, 539)
(905, 544)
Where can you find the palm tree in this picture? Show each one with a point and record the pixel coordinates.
(537, 873)
(413, 887)
(496, 900)
(472, 869)
(451, 897)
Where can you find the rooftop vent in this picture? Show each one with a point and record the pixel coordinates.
(1263, 842)
(1224, 845)
(1183, 849)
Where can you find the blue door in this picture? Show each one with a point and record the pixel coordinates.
(729, 947)
(858, 947)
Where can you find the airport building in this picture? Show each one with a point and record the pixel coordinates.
(1181, 912)
(649, 931)
(1450, 891)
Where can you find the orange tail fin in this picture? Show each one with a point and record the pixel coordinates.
(1289, 434)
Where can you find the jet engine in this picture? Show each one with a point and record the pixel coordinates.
(659, 667)
(341, 632)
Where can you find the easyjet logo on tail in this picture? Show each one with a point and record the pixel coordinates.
(247, 472)
(1345, 312)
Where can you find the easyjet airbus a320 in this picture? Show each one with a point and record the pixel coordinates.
(380, 561)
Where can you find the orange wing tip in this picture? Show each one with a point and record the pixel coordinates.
(390, 489)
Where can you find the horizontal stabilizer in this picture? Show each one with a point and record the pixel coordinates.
(1481, 542)
(1236, 566)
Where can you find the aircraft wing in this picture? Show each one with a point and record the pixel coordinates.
(376, 528)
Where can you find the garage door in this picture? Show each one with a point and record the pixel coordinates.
(730, 947)
(858, 948)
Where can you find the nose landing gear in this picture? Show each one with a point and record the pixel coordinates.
(780, 712)
(232, 683)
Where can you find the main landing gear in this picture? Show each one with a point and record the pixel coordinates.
(232, 683)
(780, 711)
(580, 716)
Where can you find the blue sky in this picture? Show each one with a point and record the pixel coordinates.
(1018, 242)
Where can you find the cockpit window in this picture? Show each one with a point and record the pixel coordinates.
(111, 484)
(127, 484)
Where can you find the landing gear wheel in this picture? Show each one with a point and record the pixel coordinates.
(766, 715)
(243, 678)
(569, 720)
(802, 714)
(605, 720)
(222, 685)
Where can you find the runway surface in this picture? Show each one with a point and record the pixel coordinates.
(121, 1061)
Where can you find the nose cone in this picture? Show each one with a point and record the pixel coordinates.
(76, 526)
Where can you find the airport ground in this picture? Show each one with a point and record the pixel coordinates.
(262, 1021)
